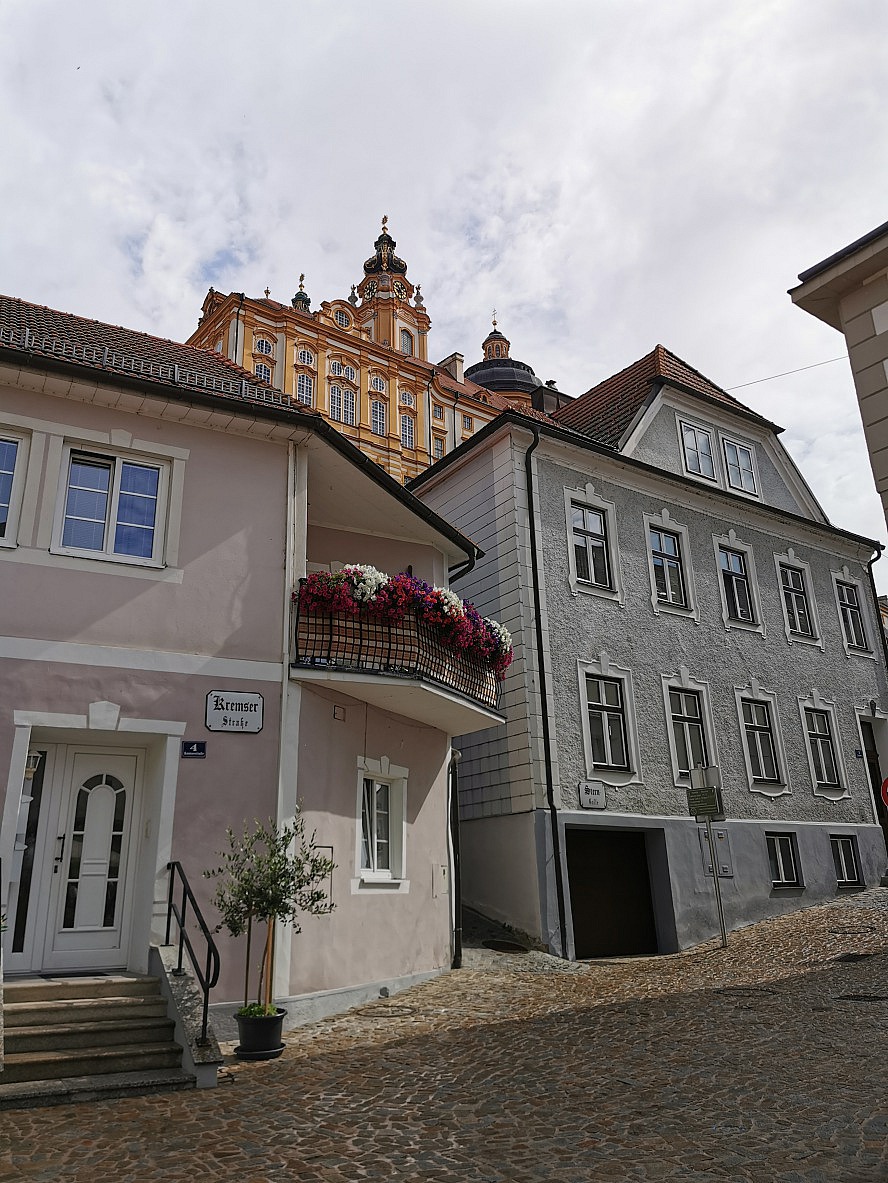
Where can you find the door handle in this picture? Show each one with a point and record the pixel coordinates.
(58, 858)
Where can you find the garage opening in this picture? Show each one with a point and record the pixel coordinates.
(610, 893)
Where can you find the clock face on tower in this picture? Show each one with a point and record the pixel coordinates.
(400, 290)
(371, 289)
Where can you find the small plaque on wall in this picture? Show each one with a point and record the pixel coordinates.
(592, 795)
(232, 710)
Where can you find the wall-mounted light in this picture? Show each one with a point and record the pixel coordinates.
(32, 764)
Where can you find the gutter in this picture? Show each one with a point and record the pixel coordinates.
(544, 691)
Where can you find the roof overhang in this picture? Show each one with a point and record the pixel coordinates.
(824, 285)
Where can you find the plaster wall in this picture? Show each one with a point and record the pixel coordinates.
(390, 555)
(660, 445)
(498, 858)
(224, 591)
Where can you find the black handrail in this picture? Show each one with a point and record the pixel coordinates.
(209, 976)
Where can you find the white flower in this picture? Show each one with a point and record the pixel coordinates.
(366, 581)
(502, 634)
(452, 604)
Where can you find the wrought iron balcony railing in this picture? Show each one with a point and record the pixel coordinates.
(410, 649)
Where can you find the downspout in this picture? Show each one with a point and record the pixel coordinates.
(872, 582)
(544, 690)
(456, 893)
(237, 316)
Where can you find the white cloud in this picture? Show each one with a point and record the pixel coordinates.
(606, 173)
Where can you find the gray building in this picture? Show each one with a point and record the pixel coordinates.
(677, 598)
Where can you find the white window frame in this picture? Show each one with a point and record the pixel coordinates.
(588, 498)
(378, 416)
(791, 561)
(395, 877)
(682, 681)
(349, 372)
(304, 356)
(753, 692)
(468, 423)
(713, 451)
(784, 840)
(262, 371)
(336, 368)
(601, 667)
(437, 411)
(663, 522)
(342, 319)
(730, 541)
(730, 441)
(335, 402)
(816, 702)
(408, 432)
(406, 338)
(305, 389)
(377, 384)
(116, 458)
(863, 603)
(407, 398)
(264, 346)
(17, 488)
(841, 844)
(439, 447)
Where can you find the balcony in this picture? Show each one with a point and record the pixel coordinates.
(402, 668)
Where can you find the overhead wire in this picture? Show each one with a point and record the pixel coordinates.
(786, 373)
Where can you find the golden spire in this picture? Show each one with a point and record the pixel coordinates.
(385, 218)
(494, 318)
(267, 292)
(302, 282)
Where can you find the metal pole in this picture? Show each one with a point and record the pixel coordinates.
(715, 878)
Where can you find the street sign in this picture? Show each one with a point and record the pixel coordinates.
(705, 802)
(234, 710)
(194, 749)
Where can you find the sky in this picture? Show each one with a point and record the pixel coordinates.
(607, 174)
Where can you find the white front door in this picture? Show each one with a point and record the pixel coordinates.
(89, 860)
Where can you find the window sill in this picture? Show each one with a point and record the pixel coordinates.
(590, 589)
(802, 639)
(744, 626)
(866, 653)
(374, 886)
(787, 888)
(832, 792)
(770, 788)
(97, 556)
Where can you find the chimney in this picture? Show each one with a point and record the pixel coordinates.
(453, 365)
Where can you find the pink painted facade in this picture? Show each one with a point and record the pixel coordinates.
(107, 657)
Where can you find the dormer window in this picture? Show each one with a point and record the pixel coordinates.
(738, 464)
(342, 318)
(697, 445)
(406, 343)
(263, 345)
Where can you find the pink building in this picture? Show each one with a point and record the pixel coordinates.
(157, 509)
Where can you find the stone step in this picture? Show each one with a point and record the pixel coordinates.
(82, 1010)
(30, 1094)
(89, 1061)
(104, 1033)
(67, 988)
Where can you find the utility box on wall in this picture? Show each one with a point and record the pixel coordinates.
(723, 856)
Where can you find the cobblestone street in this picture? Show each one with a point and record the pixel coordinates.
(763, 1062)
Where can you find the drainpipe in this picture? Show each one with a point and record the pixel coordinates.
(544, 690)
(872, 583)
(237, 316)
(456, 894)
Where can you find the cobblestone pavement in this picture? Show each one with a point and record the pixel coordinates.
(763, 1062)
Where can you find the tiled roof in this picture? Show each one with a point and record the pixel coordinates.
(36, 330)
(608, 409)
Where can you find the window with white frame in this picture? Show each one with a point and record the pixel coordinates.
(336, 368)
(407, 398)
(342, 318)
(350, 373)
(112, 507)
(263, 345)
(382, 797)
(262, 371)
(305, 389)
(305, 357)
(342, 404)
(783, 860)
(796, 604)
(666, 561)
(438, 447)
(608, 736)
(336, 403)
(850, 608)
(739, 466)
(406, 342)
(735, 583)
(408, 432)
(845, 860)
(688, 724)
(13, 458)
(437, 411)
(761, 746)
(821, 748)
(697, 450)
(377, 384)
(467, 423)
(377, 417)
(590, 545)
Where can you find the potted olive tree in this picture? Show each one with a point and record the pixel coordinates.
(271, 872)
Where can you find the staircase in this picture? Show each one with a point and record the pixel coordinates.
(79, 1038)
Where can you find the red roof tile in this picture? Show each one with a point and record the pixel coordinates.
(35, 329)
(608, 409)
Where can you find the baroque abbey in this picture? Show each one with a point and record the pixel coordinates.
(362, 362)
